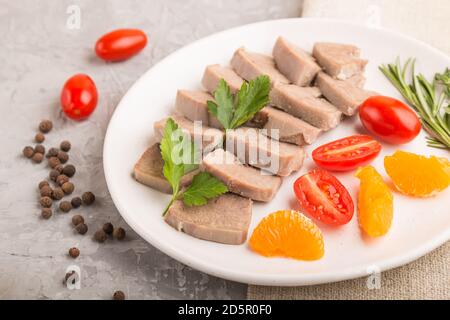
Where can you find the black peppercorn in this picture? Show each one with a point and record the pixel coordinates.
(28, 151)
(68, 187)
(100, 235)
(39, 148)
(69, 170)
(108, 228)
(46, 191)
(65, 206)
(81, 228)
(74, 252)
(77, 219)
(46, 202)
(65, 145)
(76, 202)
(119, 295)
(119, 233)
(53, 162)
(42, 184)
(46, 213)
(45, 126)
(62, 156)
(61, 179)
(38, 157)
(52, 152)
(88, 198)
(57, 194)
(39, 137)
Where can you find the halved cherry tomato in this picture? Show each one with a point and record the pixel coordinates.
(346, 154)
(323, 197)
(120, 44)
(389, 119)
(79, 97)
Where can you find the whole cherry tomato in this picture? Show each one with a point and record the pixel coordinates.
(389, 119)
(79, 97)
(322, 196)
(120, 44)
(347, 153)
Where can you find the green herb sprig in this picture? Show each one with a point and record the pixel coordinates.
(429, 99)
(176, 146)
(234, 111)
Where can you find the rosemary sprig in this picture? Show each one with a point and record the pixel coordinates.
(428, 99)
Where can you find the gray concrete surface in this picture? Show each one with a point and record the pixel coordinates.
(38, 53)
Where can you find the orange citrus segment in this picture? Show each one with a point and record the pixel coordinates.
(375, 202)
(417, 175)
(288, 233)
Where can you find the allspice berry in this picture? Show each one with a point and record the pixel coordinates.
(77, 219)
(62, 156)
(59, 168)
(38, 157)
(53, 174)
(65, 146)
(76, 202)
(81, 228)
(65, 206)
(74, 252)
(88, 198)
(42, 184)
(52, 152)
(100, 235)
(69, 170)
(53, 162)
(39, 137)
(57, 194)
(119, 295)
(46, 191)
(61, 179)
(68, 187)
(46, 213)
(45, 126)
(108, 228)
(46, 202)
(39, 148)
(28, 152)
(119, 233)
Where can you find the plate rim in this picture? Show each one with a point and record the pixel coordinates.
(266, 279)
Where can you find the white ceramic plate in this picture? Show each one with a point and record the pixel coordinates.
(419, 225)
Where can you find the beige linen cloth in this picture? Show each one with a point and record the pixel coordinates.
(429, 276)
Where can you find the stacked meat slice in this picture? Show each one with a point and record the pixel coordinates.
(309, 94)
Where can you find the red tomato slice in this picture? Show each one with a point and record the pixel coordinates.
(323, 197)
(120, 44)
(347, 154)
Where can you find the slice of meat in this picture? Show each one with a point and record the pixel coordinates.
(250, 65)
(149, 171)
(297, 65)
(290, 129)
(343, 94)
(253, 148)
(357, 80)
(341, 61)
(224, 219)
(304, 103)
(239, 178)
(209, 138)
(213, 73)
(193, 106)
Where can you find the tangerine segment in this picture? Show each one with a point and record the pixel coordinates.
(418, 175)
(288, 233)
(375, 202)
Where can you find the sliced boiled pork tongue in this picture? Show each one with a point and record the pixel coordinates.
(341, 61)
(224, 219)
(149, 171)
(250, 65)
(215, 72)
(252, 147)
(297, 65)
(304, 103)
(343, 94)
(239, 178)
(193, 106)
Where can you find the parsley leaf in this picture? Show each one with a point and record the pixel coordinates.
(203, 187)
(233, 112)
